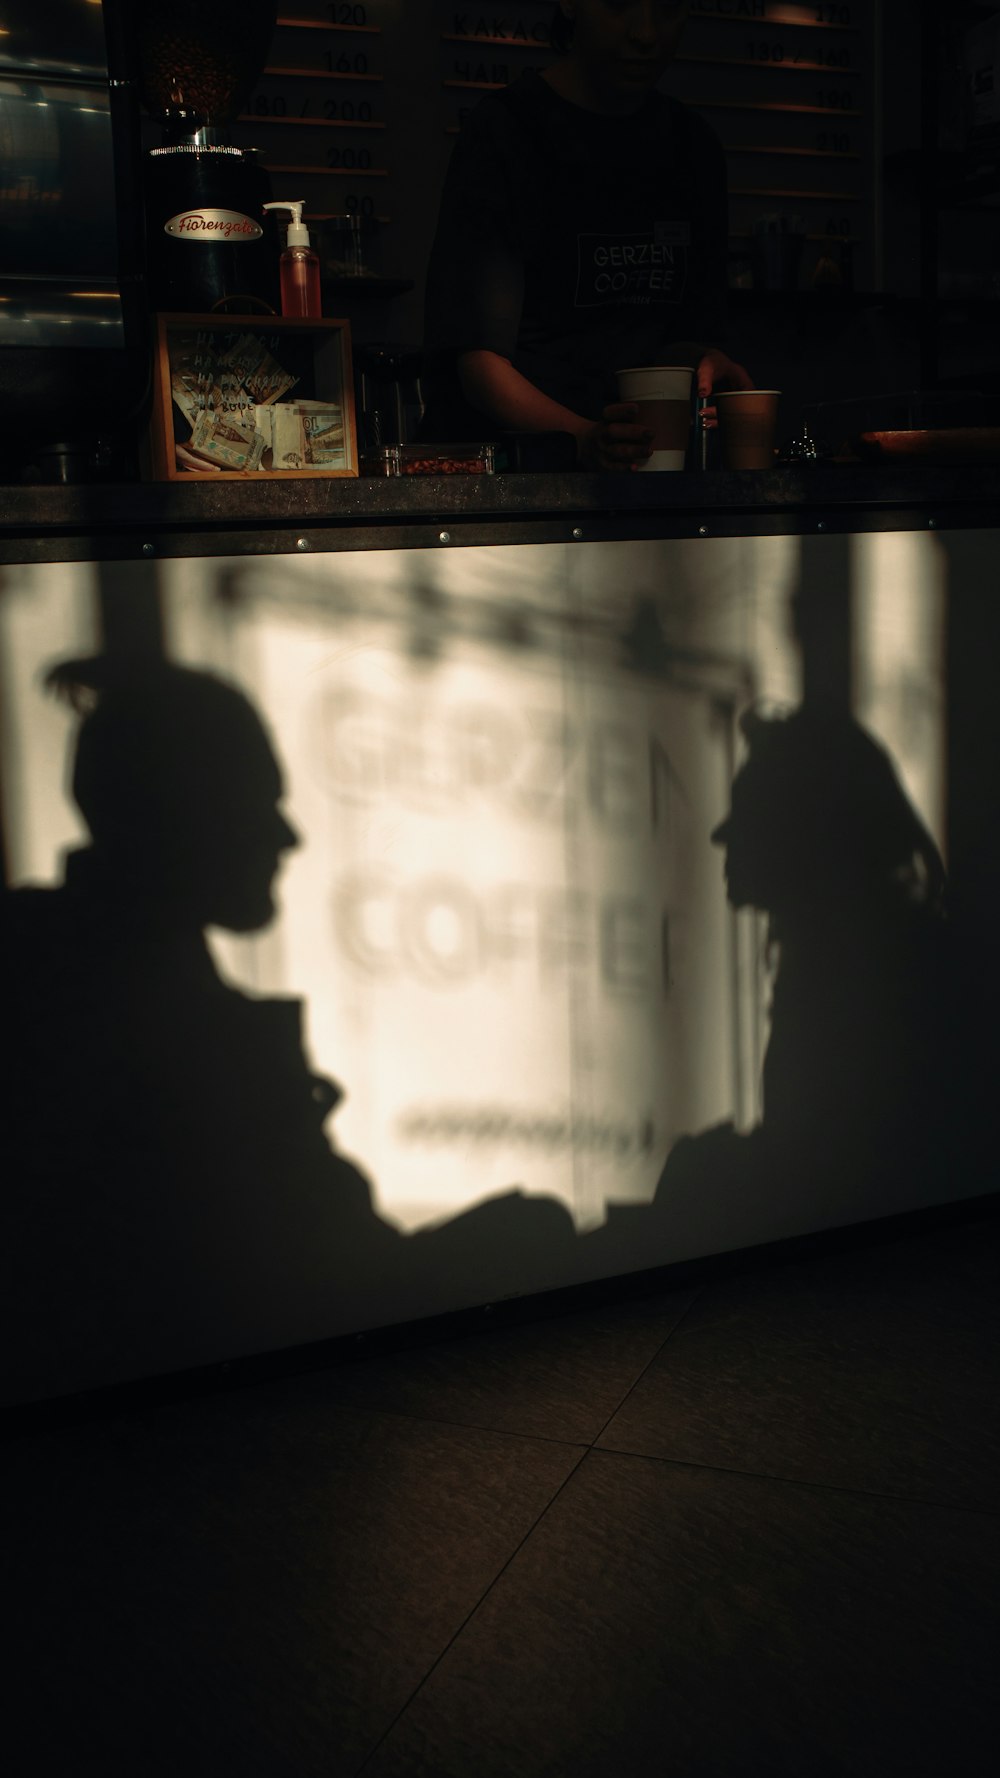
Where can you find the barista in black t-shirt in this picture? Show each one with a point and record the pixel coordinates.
(583, 229)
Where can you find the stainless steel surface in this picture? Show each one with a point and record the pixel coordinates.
(46, 312)
(73, 351)
(54, 38)
(57, 201)
(701, 432)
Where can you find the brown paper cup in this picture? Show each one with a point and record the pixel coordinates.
(748, 420)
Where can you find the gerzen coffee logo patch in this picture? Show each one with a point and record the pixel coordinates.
(650, 267)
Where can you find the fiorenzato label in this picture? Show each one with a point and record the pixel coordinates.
(213, 225)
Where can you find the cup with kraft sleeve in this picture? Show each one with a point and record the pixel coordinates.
(747, 421)
(662, 394)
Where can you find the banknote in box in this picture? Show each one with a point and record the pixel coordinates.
(252, 396)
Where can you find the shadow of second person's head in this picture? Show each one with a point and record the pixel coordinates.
(819, 822)
(180, 789)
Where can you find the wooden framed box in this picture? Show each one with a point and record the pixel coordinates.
(245, 396)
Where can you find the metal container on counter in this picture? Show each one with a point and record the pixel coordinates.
(206, 239)
(207, 246)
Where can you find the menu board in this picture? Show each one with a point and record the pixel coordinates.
(482, 50)
(785, 86)
(360, 102)
(789, 89)
(318, 113)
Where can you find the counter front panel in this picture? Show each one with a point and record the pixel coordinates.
(372, 956)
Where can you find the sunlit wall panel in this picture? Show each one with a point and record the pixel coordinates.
(506, 918)
(45, 614)
(898, 593)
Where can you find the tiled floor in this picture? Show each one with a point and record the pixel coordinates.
(753, 1528)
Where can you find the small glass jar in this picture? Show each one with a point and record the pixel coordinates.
(348, 246)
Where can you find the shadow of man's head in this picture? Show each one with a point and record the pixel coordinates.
(819, 820)
(180, 789)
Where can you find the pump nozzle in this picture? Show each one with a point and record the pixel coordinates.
(298, 234)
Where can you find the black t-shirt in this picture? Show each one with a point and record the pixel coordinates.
(573, 244)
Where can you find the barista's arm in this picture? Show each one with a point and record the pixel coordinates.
(491, 383)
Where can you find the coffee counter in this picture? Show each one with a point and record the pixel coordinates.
(39, 524)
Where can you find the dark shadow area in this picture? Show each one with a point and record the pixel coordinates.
(174, 1195)
(176, 1198)
(973, 637)
(867, 1041)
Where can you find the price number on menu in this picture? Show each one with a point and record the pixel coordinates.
(342, 12)
(342, 111)
(347, 111)
(345, 62)
(825, 56)
(833, 142)
(348, 158)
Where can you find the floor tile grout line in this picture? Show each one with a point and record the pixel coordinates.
(671, 1463)
(682, 1317)
(587, 1448)
(585, 1452)
(510, 1432)
(412, 1414)
(764, 1475)
(501, 1571)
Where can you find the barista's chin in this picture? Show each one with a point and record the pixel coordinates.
(637, 73)
(243, 911)
(243, 921)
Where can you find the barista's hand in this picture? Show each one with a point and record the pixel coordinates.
(616, 440)
(716, 371)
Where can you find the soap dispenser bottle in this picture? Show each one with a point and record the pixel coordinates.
(298, 267)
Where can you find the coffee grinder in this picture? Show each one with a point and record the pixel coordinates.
(197, 64)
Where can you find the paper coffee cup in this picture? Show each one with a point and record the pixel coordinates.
(662, 393)
(748, 421)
